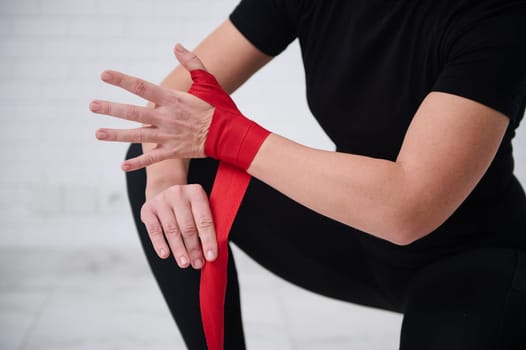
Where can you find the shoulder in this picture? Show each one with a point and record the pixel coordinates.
(484, 54)
(269, 24)
(478, 23)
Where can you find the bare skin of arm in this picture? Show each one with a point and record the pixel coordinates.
(447, 148)
(177, 214)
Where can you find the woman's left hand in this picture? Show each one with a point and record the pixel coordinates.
(178, 123)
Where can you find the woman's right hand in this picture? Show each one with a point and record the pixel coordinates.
(178, 219)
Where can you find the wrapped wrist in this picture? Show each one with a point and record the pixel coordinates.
(232, 137)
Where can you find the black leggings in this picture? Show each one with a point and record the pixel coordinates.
(475, 299)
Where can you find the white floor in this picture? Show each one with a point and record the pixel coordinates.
(107, 299)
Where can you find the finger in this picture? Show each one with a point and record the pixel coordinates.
(154, 156)
(173, 235)
(155, 232)
(185, 220)
(139, 114)
(137, 86)
(138, 135)
(205, 223)
(188, 59)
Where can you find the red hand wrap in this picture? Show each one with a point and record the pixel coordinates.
(234, 140)
(232, 137)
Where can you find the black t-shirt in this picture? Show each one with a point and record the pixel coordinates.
(370, 63)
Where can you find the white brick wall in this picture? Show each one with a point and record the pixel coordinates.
(58, 185)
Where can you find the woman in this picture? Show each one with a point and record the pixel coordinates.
(417, 212)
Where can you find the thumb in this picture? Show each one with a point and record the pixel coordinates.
(188, 59)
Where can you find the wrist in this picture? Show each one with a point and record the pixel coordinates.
(158, 182)
(231, 137)
(234, 139)
(155, 187)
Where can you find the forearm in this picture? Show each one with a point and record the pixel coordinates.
(448, 147)
(362, 192)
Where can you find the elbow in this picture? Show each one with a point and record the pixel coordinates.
(405, 237)
(412, 225)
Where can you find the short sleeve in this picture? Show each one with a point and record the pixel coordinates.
(486, 61)
(267, 24)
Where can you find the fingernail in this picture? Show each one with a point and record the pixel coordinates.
(101, 134)
(183, 261)
(179, 48)
(210, 255)
(94, 106)
(162, 251)
(106, 76)
(198, 263)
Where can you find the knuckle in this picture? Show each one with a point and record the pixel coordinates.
(132, 113)
(145, 212)
(139, 87)
(176, 190)
(171, 230)
(150, 159)
(106, 108)
(195, 187)
(195, 252)
(197, 191)
(137, 137)
(176, 101)
(154, 230)
(205, 223)
(188, 230)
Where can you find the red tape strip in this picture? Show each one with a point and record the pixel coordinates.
(234, 140)
(229, 188)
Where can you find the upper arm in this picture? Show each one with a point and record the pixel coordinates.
(448, 147)
(228, 55)
(256, 31)
(458, 128)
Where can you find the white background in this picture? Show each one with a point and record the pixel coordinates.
(58, 185)
(61, 187)
(72, 274)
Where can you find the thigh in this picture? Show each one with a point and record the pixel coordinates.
(299, 245)
(475, 300)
